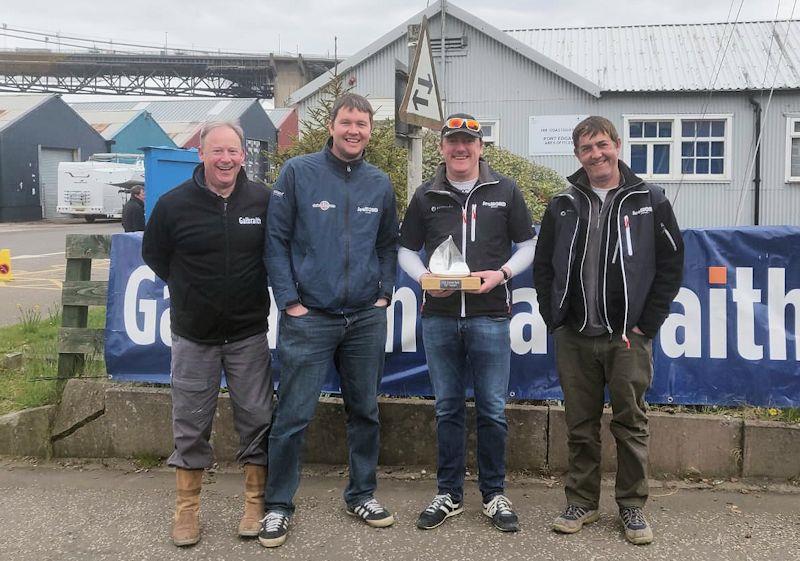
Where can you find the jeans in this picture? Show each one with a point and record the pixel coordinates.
(306, 345)
(456, 348)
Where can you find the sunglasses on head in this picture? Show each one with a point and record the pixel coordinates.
(459, 122)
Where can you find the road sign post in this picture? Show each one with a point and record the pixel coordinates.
(421, 105)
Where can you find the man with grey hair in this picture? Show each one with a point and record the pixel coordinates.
(205, 239)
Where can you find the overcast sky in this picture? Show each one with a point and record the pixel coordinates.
(310, 25)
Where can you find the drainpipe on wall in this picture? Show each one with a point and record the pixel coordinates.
(757, 167)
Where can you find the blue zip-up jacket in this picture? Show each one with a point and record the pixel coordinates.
(331, 234)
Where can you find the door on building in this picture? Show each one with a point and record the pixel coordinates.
(49, 158)
(256, 160)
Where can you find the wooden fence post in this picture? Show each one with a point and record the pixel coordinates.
(79, 292)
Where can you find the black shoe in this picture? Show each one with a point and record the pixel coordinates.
(371, 512)
(274, 527)
(441, 508)
(637, 530)
(500, 511)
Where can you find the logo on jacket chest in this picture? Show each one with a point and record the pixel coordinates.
(249, 220)
(323, 205)
(367, 209)
(494, 204)
(436, 208)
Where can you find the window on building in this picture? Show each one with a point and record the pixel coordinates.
(491, 131)
(793, 149)
(670, 147)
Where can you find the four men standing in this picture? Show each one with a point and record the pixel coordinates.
(608, 264)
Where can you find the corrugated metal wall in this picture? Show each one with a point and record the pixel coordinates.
(492, 81)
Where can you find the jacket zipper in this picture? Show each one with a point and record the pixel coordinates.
(627, 222)
(227, 259)
(669, 237)
(622, 266)
(347, 236)
(583, 260)
(474, 220)
(569, 258)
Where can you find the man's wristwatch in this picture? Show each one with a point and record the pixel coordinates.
(506, 276)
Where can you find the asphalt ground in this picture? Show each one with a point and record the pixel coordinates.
(38, 263)
(92, 512)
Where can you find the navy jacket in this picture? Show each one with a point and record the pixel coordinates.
(331, 234)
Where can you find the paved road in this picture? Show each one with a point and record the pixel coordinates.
(37, 259)
(93, 513)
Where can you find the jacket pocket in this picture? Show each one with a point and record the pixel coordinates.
(626, 224)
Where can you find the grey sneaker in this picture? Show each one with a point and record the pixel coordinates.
(573, 518)
(371, 512)
(637, 529)
(274, 527)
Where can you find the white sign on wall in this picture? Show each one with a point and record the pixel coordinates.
(551, 135)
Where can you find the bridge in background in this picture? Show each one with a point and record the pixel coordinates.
(169, 73)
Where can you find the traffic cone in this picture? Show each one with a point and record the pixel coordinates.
(5, 265)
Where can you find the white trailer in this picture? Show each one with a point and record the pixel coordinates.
(98, 187)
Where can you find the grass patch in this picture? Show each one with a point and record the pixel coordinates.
(789, 415)
(36, 337)
(147, 461)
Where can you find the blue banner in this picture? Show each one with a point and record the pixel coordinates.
(731, 337)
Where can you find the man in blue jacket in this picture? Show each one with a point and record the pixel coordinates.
(331, 257)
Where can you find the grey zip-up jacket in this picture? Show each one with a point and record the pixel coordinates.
(641, 264)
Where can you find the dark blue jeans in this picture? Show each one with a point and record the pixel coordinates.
(306, 346)
(455, 349)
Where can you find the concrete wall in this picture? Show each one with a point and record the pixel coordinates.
(98, 419)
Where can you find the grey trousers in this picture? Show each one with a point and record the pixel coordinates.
(586, 365)
(196, 375)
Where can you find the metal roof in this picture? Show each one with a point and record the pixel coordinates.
(452, 11)
(677, 57)
(12, 107)
(278, 115)
(107, 123)
(180, 119)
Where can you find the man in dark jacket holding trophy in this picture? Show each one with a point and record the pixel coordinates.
(467, 331)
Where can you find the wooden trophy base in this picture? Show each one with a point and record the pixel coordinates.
(435, 282)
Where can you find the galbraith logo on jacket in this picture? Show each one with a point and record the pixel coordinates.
(249, 220)
(323, 205)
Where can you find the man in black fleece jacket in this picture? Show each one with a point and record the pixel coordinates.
(205, 238)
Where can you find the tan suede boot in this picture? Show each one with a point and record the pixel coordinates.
(186, 525)
(254, 479)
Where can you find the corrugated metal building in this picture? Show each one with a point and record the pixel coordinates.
(36, 133)
(182, 120)
(686, 99)
(127, 131)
